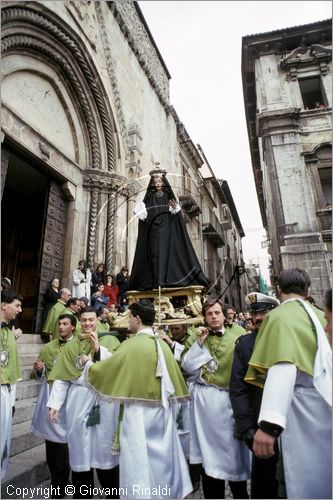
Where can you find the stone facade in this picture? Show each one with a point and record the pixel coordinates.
(222, 239)
(85, 116)
(287, 85)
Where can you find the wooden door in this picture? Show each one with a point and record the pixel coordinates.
(53, 243)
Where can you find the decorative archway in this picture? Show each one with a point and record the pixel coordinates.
(35, 31)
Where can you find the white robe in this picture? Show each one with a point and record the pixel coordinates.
(212, 442)
(6, 428)
(89, 447)
(41, 424)
(306, 441)
(151, 454)
(81, 289)
(182, 410)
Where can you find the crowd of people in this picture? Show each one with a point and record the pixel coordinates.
(103, 291)
(242, 398)
(101, 287)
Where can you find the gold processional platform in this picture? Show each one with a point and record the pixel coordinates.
(172, 305)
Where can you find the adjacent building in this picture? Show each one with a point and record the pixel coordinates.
(287, 85)
(222, 235)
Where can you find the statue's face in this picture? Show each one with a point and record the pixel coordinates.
(158, 182)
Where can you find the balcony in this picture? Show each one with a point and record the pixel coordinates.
(189, 205)
(226, 219)
(212, 228)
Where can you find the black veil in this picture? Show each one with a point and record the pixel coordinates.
(164, 254)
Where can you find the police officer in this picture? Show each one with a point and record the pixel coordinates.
(246, 399)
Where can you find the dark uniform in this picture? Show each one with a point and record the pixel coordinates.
(245, 401)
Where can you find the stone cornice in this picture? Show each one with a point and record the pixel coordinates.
(131, 188)
(133, 28)
(275, 120)
(185, 141)
(313, 156)
(307, 55)
(303, 56)
(102, 181)
(286, 40)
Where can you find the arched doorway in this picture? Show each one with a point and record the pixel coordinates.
(26, 213)
(58, 126)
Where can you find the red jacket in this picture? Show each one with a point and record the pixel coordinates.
(112, 293)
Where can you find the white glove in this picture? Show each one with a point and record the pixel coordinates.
(140, 210)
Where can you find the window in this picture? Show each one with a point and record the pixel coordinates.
(319, 162)
(186, 180)
(312, 93)
(325, 177)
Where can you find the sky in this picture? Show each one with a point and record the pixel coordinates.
(200, 43)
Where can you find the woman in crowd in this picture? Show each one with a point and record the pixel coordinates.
(81, 281)
(51, 296)
(98, 276)
(98, 298)
(122, 280)
(111, 290)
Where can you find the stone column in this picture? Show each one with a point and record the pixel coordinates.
(109, 251)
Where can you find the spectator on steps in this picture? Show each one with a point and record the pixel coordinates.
(81, 281)
(50, 328)
(51, 296)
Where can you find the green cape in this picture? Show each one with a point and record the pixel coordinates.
(11, 373)
(51, 323)
(285, 335)
(78, 328)
(49, 355)
(102, 327)
(222, 349)
(65, 369)
(130, 374)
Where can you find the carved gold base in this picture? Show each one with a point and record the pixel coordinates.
(172, 306)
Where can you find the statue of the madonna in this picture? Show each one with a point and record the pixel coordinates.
(164, 254)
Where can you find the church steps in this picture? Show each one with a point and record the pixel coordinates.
(22, 438)
(26, 469)
(27, 389)
(24, 410)
(30, 338)
(28, 359)
(27, 464)
(29, 348)
(26, 372)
